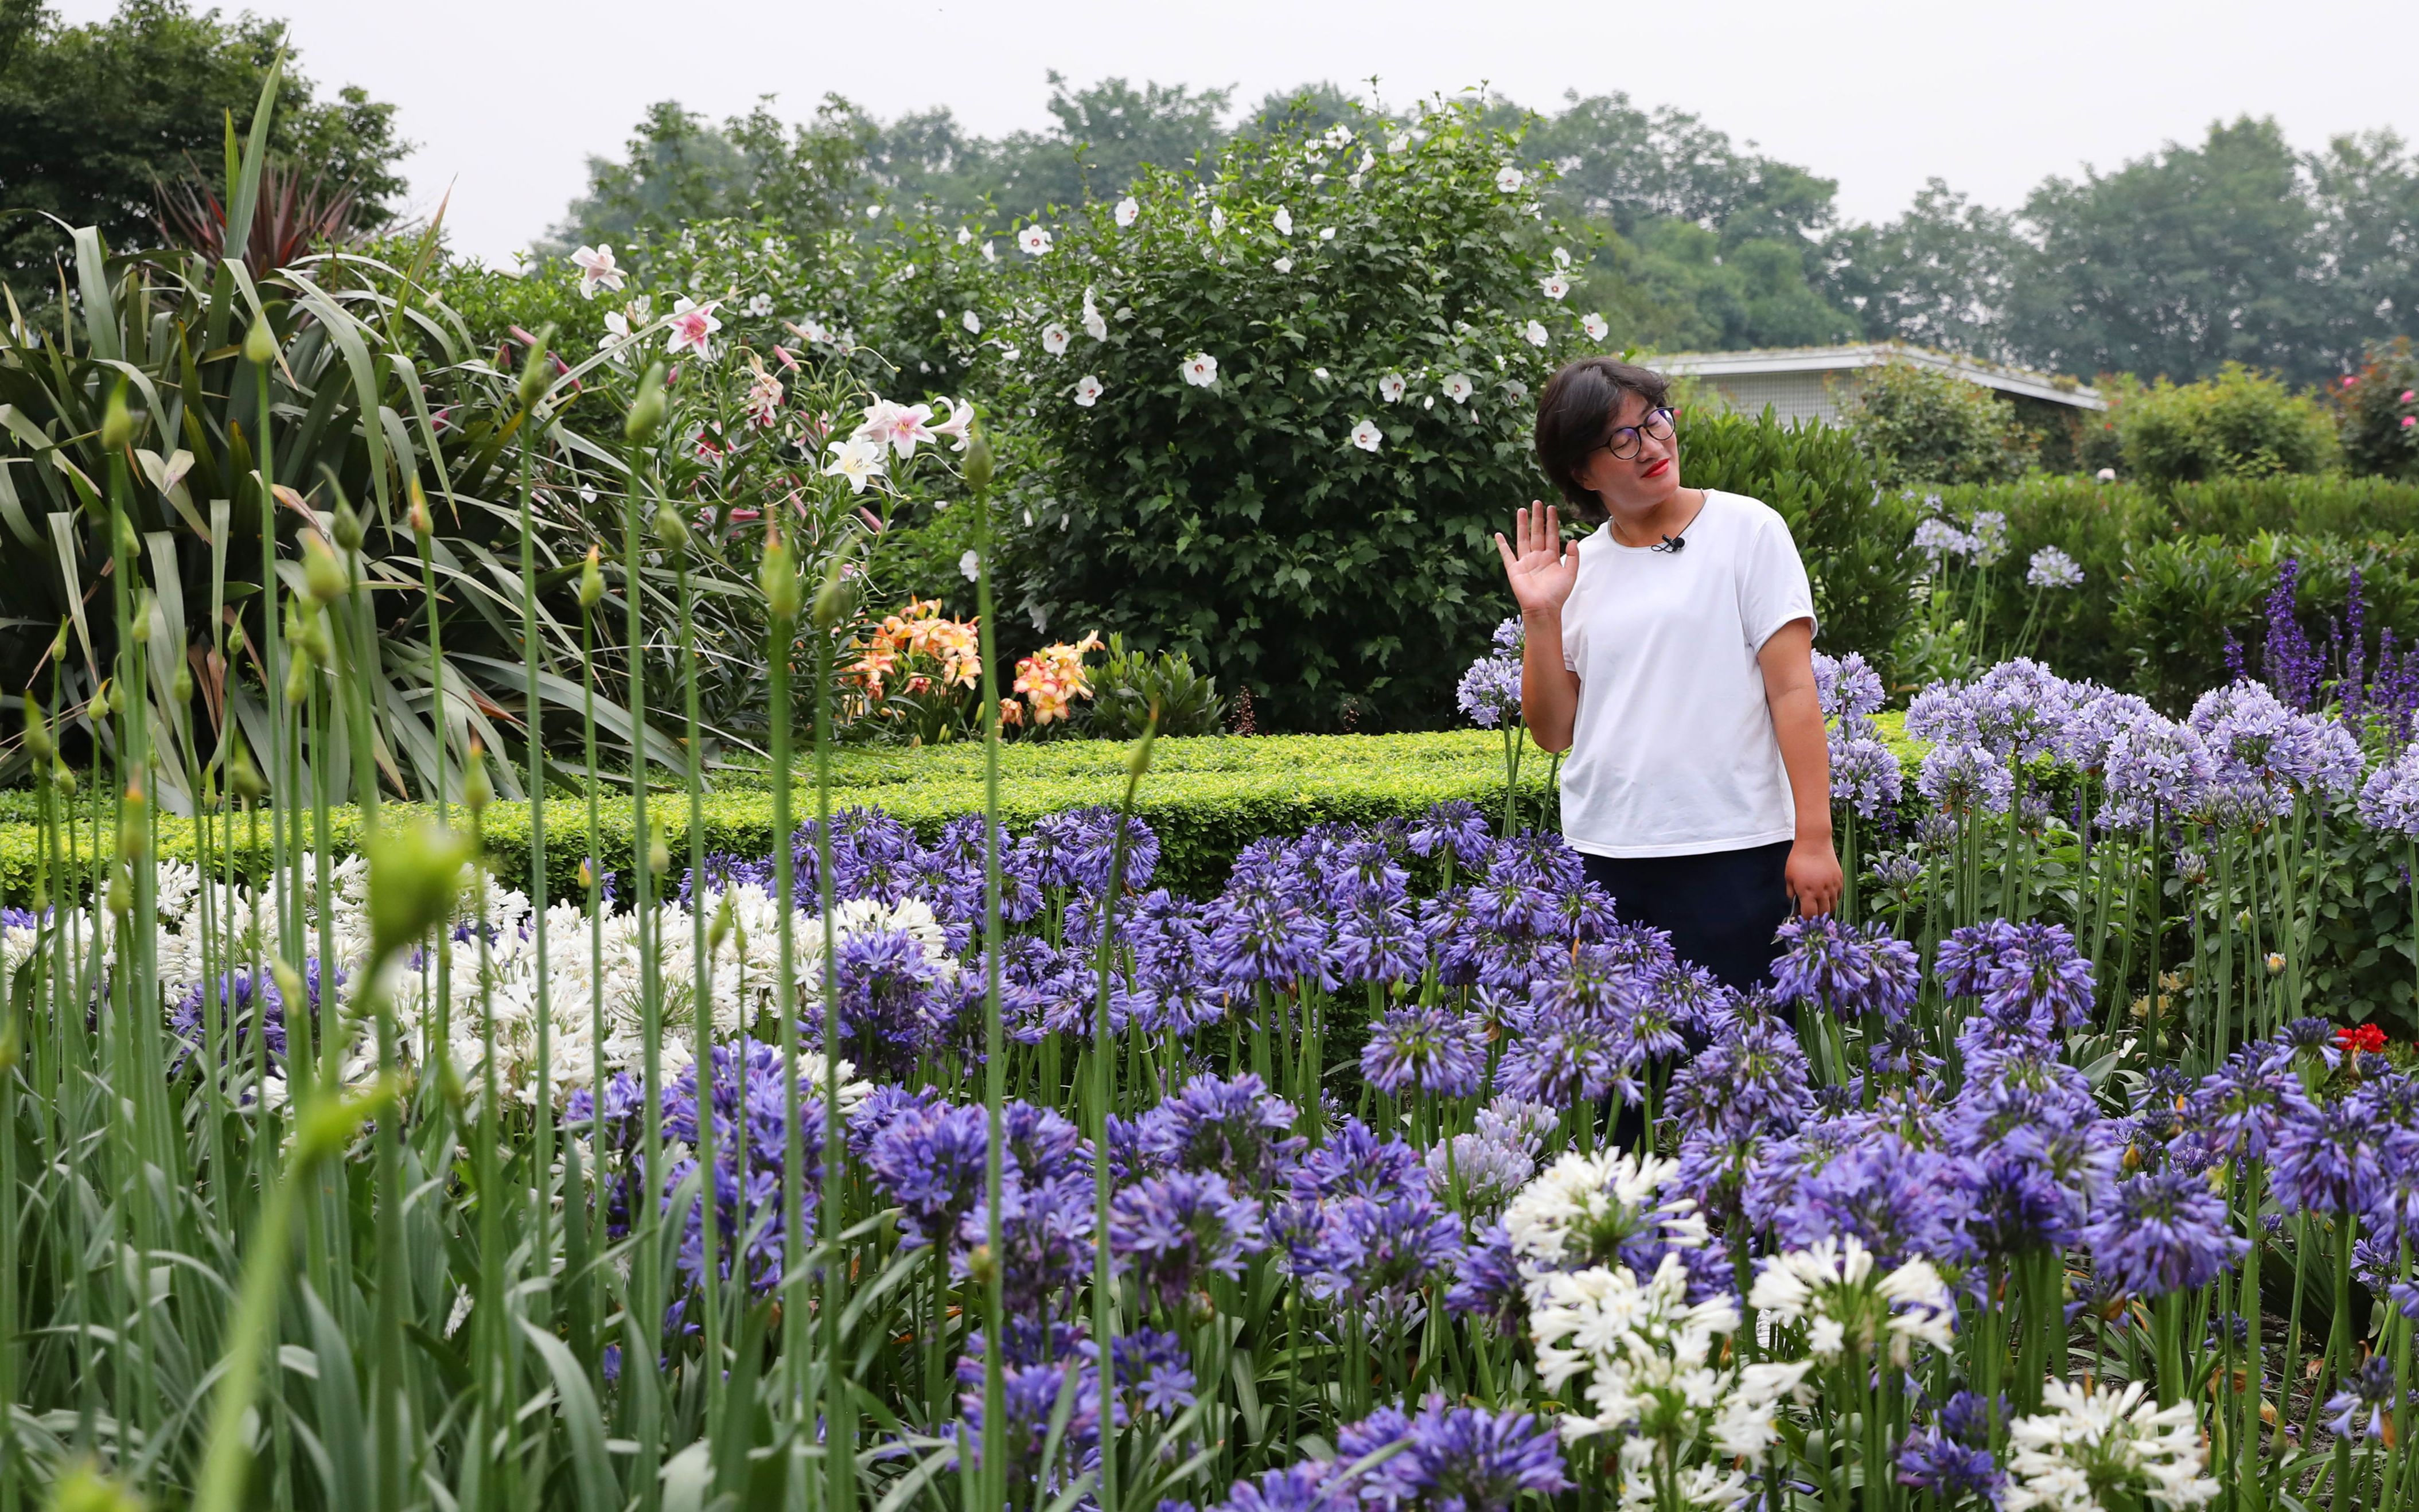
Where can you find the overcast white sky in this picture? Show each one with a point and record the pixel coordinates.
(506, 98)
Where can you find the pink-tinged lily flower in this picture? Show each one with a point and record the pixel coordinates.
(858, 461)
(596, 270)
(901, 427)
(959, 426)
(692, 328)
(781, 355)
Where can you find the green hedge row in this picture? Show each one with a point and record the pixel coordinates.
(1204, 797)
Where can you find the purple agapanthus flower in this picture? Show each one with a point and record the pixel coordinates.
(1174, 1230)
(2165, 1231)
(1849, 969)
(1429, 1048)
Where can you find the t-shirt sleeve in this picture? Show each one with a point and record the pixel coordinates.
(1773, 588)
(1574, 615)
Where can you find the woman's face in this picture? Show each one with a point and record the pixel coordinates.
(1634, 484)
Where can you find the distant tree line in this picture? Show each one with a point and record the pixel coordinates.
(2237, 247)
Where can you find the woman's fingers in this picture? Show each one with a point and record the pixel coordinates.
(1511, 564)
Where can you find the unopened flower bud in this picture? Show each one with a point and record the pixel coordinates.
(289, 986)
(717, 933)
(422, 525)
(298, 677)
(414, 874)
(133, 826)
(64, 779)
(982, 1267)
(646, 410)
(659, 857)
(670, 529)
(121, 893)
(181, 686)
(141, 629)
(979, 463)
(38, 744)
(832, 599)
(323, 575)
(536, 371)
(116, 423)
(779, 576)
(348, 531)
(59, 642)
(592, 581)
(244, 779)
(259, 344)
(477, 790)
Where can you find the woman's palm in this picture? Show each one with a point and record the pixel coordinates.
(1541, 568)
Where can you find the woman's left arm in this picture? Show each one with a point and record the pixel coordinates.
(1788, 662)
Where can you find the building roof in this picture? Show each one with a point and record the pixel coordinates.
(1803, 360)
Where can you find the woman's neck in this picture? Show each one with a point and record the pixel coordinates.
(1667, 516)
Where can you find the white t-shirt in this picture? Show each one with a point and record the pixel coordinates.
(1672, 752)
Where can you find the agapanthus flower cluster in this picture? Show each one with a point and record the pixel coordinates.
(2088, 1444)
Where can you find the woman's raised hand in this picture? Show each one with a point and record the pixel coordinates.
(1541, 568)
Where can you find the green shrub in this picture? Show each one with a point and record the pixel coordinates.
(1851, 533)
(2238, 425)
(2095, 524)
(1128, 684)
(2240, 508)
(1238, 520)
(2377, 412)
(1920, 426)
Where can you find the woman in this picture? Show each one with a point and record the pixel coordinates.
(1671, 651)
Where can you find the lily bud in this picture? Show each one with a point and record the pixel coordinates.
(647, 409)
(536, 373)
(38, 744)
(350, 531)
(259, 344)
(592, 581)
(323, 575)
(116, 425)
(779, 576)
(980, 463)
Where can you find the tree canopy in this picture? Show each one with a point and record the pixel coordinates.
(93, 117)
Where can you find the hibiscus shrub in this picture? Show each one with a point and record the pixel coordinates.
(1291, 396)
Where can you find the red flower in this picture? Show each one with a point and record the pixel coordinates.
(2362, 1037)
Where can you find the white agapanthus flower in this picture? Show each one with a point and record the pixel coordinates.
(1392, 387)
(1200, 370)
(2085, 1444)
(1367, 437)
(1834, 1291)
(1087, 391)
(1129, 210)
(1584, 1208)
(1055, 338)
(1936, 538)
(1033, 242)
(2053, 568)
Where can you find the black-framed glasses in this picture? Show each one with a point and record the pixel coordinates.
(1625, 440)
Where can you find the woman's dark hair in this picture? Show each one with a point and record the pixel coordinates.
(1574, 411)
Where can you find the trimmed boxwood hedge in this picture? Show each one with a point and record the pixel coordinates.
(1206, 797)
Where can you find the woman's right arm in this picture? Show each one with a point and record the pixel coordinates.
(1543, 572)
